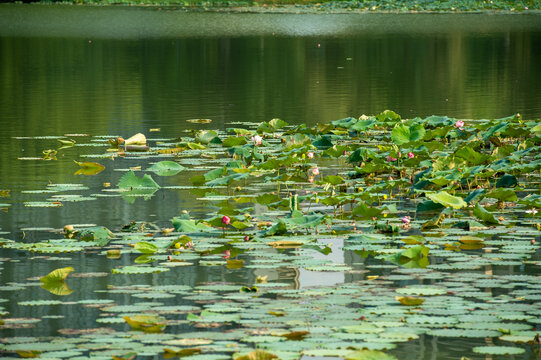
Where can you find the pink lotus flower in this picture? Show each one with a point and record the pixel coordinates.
(247, 238)
(390, 158)
(310, 179)
(406, 219)
(459, 124)
(315, 171)
(226, 220)
(226, 254)
(258, 140)
(399, 154)
(310, 155)
(411, 155)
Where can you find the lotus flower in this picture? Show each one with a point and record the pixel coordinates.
(411, 155)
(258, 140)
(226, 220)
(226, 254)
(315, 171)
(406, 220)
(532, 211)
(310, 155)
(459, 124)
(390, 158)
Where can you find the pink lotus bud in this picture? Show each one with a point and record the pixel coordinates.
(315, 171)
(247, 238)
(406, 219)
(310, 179)
(169, 258)
(226, 220)
(310, 155)
(411, 155)
(226, 254)
(533, 241)
(399, 154)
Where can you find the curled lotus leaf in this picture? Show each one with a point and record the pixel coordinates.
(57, 275)
(89, 168)
(146, 323)
(447, 200)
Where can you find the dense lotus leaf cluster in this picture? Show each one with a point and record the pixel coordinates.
(431, 212)
(332, 6)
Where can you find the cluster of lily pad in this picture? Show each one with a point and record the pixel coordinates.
(431, 210)
(334, 5)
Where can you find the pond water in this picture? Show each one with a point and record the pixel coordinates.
(89, 74)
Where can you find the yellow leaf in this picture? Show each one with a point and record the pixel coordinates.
(137, 139)
(28, 353)
(258, 355)
(285, 244)
(170, 353)
(57, 275)
(470, 240)
(296, 335)
(146, 323)
(410, 300)
(234, 264)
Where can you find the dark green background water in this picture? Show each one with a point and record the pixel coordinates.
(122, 71)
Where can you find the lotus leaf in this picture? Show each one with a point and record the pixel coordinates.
(484, 215)
(145, 247)
(130, 182)
(498, 350)
(166, 168)
(447, 200)
(257, 355)
(89, 168)
(403, 134)
(146, 323)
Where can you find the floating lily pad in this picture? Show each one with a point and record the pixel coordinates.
(166, 168)
(498, 350)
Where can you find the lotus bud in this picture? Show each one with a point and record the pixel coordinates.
(226, 220)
